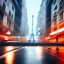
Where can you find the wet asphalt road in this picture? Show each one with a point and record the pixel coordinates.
(27, 55)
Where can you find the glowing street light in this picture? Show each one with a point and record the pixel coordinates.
(8, 33)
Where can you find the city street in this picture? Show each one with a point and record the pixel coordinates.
(28, 55)
(31, 31)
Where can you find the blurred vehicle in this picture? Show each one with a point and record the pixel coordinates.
(3, 38)
(17, 39)
(23, 39)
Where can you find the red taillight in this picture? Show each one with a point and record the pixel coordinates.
(2, 37)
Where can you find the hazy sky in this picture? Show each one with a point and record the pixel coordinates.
(33, 7)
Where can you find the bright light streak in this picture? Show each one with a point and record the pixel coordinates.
(9, 48)
(9, 58)
(60, 30)
(48, 38)
(55, 32)
(6, 38)
(11, 41)
(39, 51)
(8, 32)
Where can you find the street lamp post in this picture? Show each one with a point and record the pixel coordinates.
(56, 38)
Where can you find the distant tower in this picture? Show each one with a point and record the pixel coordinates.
(32, 34)
(32, 23)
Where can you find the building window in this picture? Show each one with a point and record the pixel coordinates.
(9, 14)
(61, 15)
(8, 22)
(12, 7)
(5, 0)
(12, 16)
(55, 7)
(55, 19)
(54, 2)
(4, 6)
(55, 14)
(61, 4)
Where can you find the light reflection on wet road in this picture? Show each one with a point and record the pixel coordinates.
(27, 55)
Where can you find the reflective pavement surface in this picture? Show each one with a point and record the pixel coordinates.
(31, 55)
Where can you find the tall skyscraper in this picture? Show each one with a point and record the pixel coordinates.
(48, 17)
(18, 15)
(41, 20)
(24, 20)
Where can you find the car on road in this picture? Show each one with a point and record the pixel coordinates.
(3, 38)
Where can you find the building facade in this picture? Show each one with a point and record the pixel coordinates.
(7, 14)
(41, 20)
(57, 14)
(48, 17)
(13, 17)
(24, 20)
(57, 20)
(18, 15)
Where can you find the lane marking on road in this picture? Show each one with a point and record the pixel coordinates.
(4, 55)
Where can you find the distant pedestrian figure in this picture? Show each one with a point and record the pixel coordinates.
(56, 38)
(57, 48)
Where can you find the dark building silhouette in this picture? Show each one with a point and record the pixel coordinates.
(18, 14)
(48, 16)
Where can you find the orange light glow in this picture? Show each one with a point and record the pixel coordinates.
(12, 38)
(3, 37)
(58, 31)
(48, 38)
(9, 48)
(9, 57)
(6, 38)
(8, 32)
